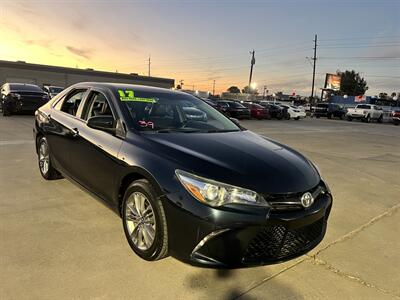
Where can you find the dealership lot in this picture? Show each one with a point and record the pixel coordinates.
(56, 241)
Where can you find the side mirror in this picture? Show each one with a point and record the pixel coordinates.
(104, 123)
(236, 121)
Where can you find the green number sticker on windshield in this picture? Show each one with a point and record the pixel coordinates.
(129, 95)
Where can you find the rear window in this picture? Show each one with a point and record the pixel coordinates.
(364, 106)
(235, 105)
(322, 105)
(25, 87)
(257, 106)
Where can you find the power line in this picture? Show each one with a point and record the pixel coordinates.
(361, 57)
(361, 38)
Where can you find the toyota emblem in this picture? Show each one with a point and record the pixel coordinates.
(307, 199)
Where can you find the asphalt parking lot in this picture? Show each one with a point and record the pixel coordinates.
(57, 242)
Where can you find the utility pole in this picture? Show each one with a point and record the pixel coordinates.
(253, 61)
(315, 62)
(149, 63)
(265, 92)
(214, 88)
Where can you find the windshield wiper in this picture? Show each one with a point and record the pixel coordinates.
(168, 130)
(222, 130)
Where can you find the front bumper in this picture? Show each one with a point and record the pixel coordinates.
(300, 115)
(357, 116)
(229, 239)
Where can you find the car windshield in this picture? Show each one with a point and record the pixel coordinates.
(54, 89)
(236, 105)
(174, 112)
(257, 106)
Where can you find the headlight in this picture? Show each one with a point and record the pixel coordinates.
(216, 193)
(15, 95)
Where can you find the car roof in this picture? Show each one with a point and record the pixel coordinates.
(127, 86)
(20, 84)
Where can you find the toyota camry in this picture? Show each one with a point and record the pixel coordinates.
(190, 183)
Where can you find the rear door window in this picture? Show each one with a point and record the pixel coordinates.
(72, 102)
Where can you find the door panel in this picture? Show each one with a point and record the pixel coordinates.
(60, 134)
(94, 156)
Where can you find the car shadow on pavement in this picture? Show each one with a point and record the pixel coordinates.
(231, 284)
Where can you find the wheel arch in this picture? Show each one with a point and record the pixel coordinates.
(132, 175)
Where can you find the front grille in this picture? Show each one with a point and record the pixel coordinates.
(292, 201)
(278, 242)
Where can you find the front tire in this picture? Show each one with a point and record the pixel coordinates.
(380, 119)
(44, 159)
(144, 221)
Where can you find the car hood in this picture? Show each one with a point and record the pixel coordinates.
(241, 158)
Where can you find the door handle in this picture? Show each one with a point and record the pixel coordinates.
(75, 132)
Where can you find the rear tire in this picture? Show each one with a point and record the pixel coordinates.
(297, 118)
(329, 116)
(349, 119)
(5, 112)
(380, 119)
(141, 209)
(44, 159)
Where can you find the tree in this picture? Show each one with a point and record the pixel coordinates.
(394, 94)
(178, 87)
(352, 84)
(248, 90)
(234, 90)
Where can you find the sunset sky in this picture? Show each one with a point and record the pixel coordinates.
(199, 41)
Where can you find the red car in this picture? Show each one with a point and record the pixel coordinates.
(257, 111)
(396, 117)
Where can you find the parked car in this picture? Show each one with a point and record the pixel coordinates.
(320, 110)
(52, 90)
(209, 193)
(365, 112)
(294, 112)
(233, 109)
(396, 116)
(210, 102)
(336, 111)
(20, 97)
(275, 111)
(257, 111)
(328, 110)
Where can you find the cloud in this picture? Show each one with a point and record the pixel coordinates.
(40, 43)
(82, 52)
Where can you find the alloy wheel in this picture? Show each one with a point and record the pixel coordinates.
(140, 221)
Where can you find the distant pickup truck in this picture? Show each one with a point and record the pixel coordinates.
(365, 112)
